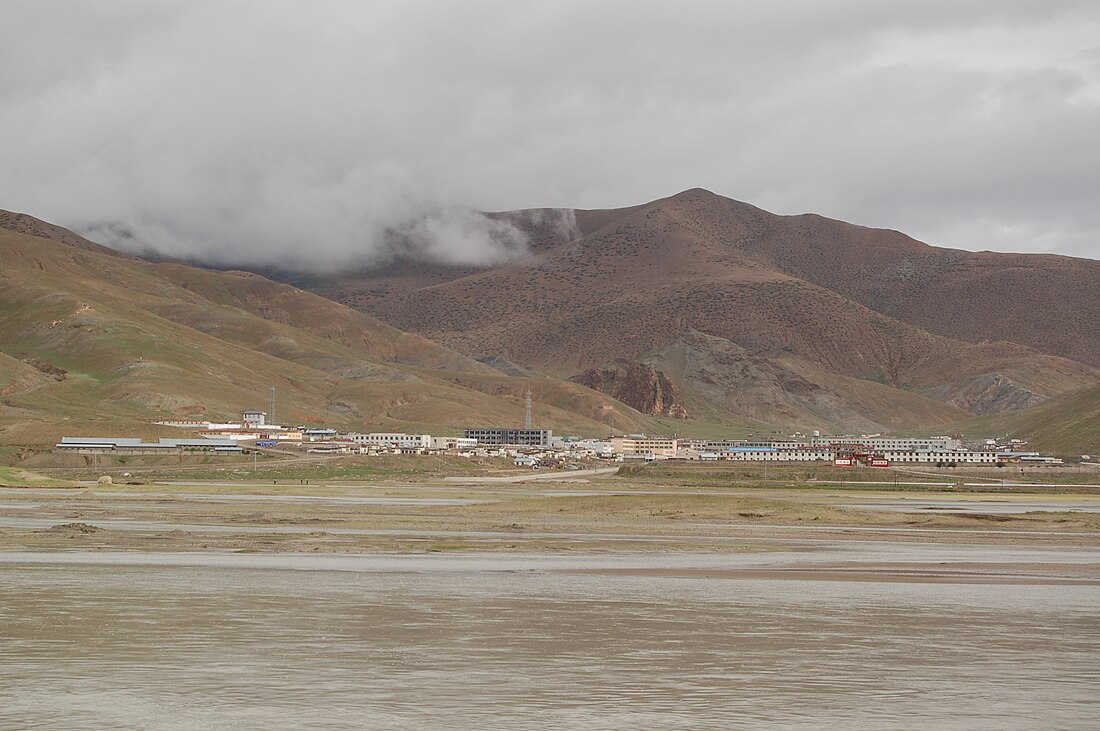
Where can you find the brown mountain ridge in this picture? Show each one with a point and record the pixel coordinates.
(96, 342)
(792, 320)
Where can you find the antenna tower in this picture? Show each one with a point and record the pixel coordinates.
(527, 419)
(271, 412)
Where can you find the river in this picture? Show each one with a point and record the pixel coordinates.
(611, 641)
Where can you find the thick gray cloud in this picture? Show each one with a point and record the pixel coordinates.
(304, 134)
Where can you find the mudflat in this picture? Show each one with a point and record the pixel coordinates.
(600, 603)
(617, 640)
(603, 514)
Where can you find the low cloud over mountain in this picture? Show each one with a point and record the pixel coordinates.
(271, 134)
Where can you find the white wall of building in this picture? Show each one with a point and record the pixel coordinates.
(388, 440)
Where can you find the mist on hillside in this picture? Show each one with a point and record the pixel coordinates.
(330, 238)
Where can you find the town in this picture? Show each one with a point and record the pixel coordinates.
(540, 448)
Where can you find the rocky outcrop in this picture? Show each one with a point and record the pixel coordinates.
(58, 374)
(638, 385)
(507, 367)
(718, 376)
(991, 393)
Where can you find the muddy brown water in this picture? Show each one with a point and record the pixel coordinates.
(196, 641)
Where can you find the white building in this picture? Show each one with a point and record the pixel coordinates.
(880, 443)
(723, 445)
(449, 443)
(254, 417)
(779, 454)
(596, 446)
(393, 440)
(941, 457)
(639, 444)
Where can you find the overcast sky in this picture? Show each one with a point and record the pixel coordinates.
(298, 133)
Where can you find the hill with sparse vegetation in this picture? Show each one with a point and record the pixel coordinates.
(1068, 424)
(798, 321)
(95, 342)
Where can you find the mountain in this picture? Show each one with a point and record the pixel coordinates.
(1066, 424)
(797, 321)
(96, 342)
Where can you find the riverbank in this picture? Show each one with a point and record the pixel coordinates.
(601, 513)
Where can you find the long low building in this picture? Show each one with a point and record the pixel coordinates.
(779, 454)
(134, 445)
(942, 457)
(880, 443)
(846, 454)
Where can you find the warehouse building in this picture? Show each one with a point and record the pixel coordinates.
(878, 444)
(134, 445)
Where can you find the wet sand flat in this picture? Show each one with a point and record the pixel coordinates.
(512, 641)
(410, 607)
(412, 518)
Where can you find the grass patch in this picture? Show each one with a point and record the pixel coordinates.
(388, 468)
(16, 477)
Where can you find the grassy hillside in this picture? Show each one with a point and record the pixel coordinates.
(1068, 424)
(92, 342)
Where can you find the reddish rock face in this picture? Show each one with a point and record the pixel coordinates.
(638, 385)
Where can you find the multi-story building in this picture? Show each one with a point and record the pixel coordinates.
(721, 445)
(393, 440)
(254, 417)
(660, 447)
(453, 443)
(496, 436)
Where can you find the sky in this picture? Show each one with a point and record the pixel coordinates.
(314, 135)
